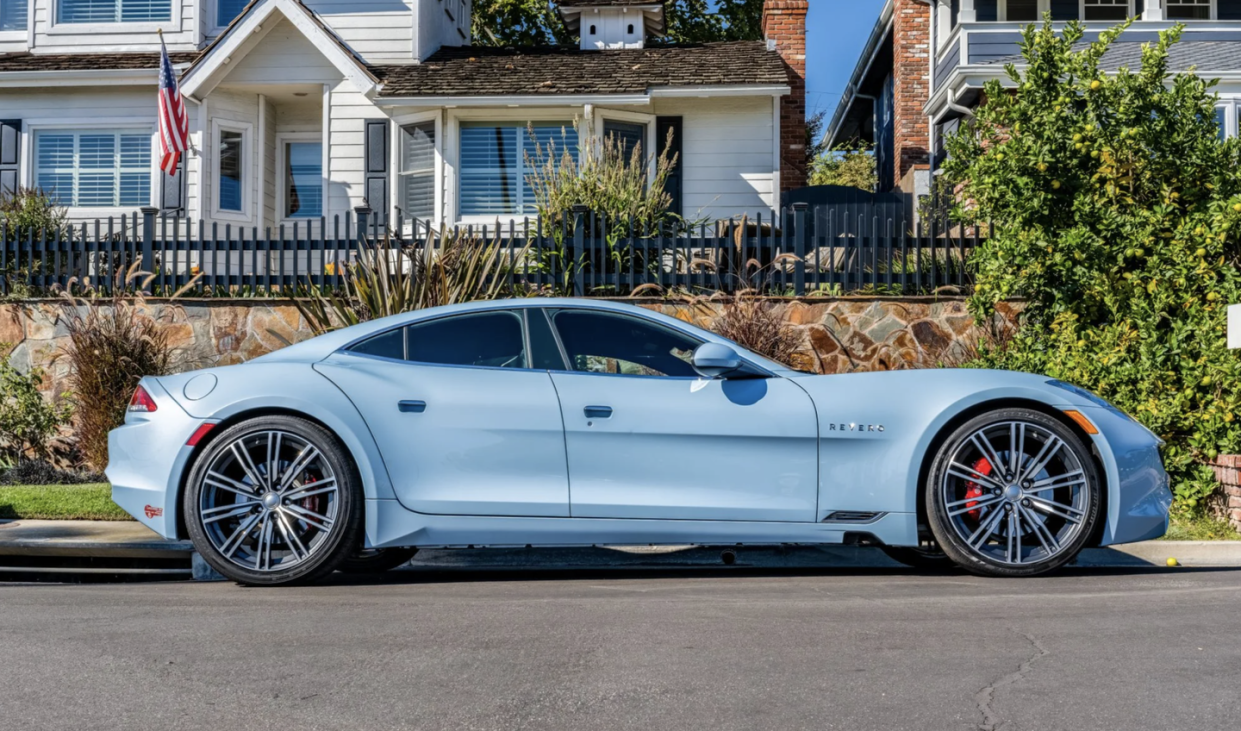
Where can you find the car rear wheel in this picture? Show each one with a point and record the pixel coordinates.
(1014, 492)
(275, 500)
(377, 560)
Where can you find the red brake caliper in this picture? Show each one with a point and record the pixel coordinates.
(974, 490)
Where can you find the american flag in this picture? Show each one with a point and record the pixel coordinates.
(174, 123)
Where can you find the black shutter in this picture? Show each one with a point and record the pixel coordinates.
(172, 191)
(664, 125)
(10, 159)
(377, 158)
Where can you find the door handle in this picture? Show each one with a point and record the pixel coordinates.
(412, 407)
(598, 412)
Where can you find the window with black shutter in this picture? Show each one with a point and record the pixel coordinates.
(10, 144)
(377, 161)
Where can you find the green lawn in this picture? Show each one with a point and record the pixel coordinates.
(59, 502)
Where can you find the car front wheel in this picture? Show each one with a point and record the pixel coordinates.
(1014, 492)
(274, 500)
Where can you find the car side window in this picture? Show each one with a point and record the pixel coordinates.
(601, 342)
(386, 345)
(485, 339)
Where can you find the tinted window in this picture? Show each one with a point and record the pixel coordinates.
(389, 345)
(604, 343)
(491, 339)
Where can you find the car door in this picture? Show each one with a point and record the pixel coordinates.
(648, 438)
(466, 425)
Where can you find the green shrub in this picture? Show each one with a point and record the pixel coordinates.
(28, 422)
(31, 210)
(1119, 212)
(388, 279)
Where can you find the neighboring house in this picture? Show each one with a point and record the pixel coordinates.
(309, 108)
(923, 69)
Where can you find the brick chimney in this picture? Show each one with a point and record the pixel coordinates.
(911, 88)
(784, 27)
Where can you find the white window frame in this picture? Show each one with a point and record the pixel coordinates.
(1232, 115)
(452, 151)
(218, 26)
(1214, 5)
(650, 146)
(56, 27)
(394, 181)
(13, 36)
(1081, 12)
(1044, 6)
(138, 124)
(282, 141)
(247, 170)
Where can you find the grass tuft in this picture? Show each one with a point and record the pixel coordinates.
(1200, 528)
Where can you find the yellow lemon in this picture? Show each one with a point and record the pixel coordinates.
(1236, 207)
(1201, 252)
(1055, 185)
(1212, 296)
(1173, 563)
(1094, 85)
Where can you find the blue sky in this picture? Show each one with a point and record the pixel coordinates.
(837, 30)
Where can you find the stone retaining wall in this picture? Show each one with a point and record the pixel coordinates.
(838, 335)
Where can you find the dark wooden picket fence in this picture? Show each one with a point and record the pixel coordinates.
(828, 250)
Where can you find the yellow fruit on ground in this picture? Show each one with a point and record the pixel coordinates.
(1173, 563)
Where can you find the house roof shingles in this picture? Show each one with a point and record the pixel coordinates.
(480, 71)
(21, 62)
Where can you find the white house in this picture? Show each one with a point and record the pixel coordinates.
(309, 108)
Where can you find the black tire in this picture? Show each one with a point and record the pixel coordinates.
(926, 558)
(376, 560)
(327, 487)
(1045, 510)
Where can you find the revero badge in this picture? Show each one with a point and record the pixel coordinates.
(855, 427)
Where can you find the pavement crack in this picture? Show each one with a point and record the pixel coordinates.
(983, 698)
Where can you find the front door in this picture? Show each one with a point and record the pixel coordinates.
(647, 438)
(465, 425)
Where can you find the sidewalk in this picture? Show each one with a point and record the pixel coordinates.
(90, 539)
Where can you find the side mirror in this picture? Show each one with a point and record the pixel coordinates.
(713, 360)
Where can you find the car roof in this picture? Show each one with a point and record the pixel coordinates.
(316, 349)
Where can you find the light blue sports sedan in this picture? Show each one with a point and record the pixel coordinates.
(545, 422)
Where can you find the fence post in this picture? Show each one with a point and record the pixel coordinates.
(576, 260)
(799, 248)
(148, 245)
(364, 214)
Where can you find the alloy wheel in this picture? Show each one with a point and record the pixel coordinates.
(268, 500)
(1015, 493)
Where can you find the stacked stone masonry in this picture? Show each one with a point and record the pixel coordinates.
(1228, 473)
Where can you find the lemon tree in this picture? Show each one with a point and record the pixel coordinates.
(1118, 215)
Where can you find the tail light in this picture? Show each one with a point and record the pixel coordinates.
(142, 402)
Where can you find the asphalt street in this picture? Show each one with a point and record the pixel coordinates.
(704, 649)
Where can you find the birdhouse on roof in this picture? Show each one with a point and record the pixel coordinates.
(609, 24)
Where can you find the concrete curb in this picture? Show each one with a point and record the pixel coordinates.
(93, 539)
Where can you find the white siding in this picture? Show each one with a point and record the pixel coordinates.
(104, 108)
(283, 56)
(272, 121)
(346, 168)
(225, 106)
(380, 31)
(183, 33)
(441, 23)
(728, 158)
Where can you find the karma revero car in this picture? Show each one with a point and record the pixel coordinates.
(569, 422)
